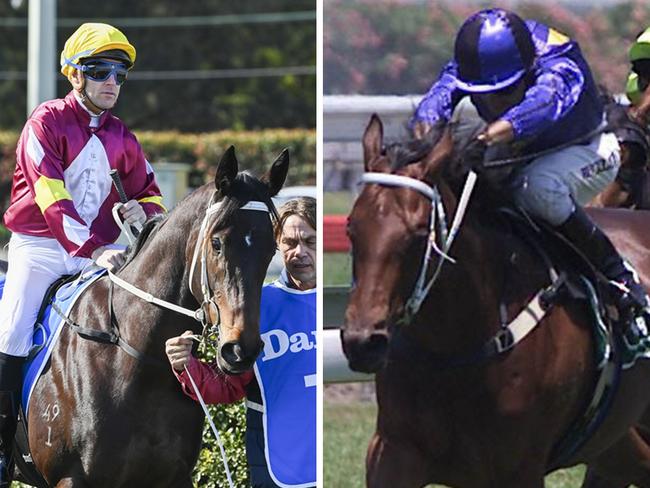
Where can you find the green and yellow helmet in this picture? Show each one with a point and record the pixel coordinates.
(92, 40)
(641, 47)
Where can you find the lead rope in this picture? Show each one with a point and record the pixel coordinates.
(212, 426)
(199, 314)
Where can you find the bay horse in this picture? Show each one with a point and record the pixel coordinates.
(99, 417)
(486, 422)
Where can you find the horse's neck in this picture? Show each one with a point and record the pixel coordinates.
(466, 299)
(159, 269)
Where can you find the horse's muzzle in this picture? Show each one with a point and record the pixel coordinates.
(234, 358)
(366, 350)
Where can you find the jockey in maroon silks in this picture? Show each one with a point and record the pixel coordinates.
(60, 212)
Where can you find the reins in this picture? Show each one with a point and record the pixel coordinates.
(440, 240)
(440, 236)
(200, 314)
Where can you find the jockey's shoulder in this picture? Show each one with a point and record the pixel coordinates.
(549, 42)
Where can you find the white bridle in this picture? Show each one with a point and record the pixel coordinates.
(440, 237)
(199, 314)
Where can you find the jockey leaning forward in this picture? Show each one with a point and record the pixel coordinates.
(531, 85)
(60, 212)
(632, 185)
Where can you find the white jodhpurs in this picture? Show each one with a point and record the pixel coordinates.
(550, 186)
(34, 264)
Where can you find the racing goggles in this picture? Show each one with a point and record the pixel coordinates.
(100, 70)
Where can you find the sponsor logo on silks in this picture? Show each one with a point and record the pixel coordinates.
(277, 343)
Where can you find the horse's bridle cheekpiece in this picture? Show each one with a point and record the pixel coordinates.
(202, 313)
(440, 240)
(440, 236)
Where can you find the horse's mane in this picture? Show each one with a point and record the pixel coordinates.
(466, 154)
(242, 190)
(403, 153)
(150, 227)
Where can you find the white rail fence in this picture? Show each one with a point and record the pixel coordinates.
(344, 119)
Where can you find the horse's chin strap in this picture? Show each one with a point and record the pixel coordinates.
(440, 236)
(200, 314)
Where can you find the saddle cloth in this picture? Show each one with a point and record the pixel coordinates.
(557, 253)
(47, 331)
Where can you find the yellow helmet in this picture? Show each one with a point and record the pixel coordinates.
(91, 39)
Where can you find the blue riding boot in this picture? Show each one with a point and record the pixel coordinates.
(10, 385)
(629, 296)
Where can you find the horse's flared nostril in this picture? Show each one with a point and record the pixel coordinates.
(232, 353)
(366, 352)
(235, 358)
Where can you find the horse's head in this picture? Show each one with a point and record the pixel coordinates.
(236, 243)
(389, 228)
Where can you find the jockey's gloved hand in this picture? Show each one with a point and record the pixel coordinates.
(109, 258)
(498, 132)
(133, 213)
(630, 294)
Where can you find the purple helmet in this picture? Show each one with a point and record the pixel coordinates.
(493, 50)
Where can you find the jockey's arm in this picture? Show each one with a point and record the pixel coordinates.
(44, 174)
(438, 103)
(555, 92)
(141, 187)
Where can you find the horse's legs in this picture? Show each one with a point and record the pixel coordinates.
(389, 465)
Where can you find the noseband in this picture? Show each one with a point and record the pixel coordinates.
(440, 236)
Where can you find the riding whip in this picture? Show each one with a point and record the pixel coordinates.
(117, 181)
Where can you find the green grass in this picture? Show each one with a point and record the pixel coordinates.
(346, 431)
(337, 266)
(347, 428)
(337, 202)
(338, 269)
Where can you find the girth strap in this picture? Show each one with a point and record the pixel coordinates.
(107, 337)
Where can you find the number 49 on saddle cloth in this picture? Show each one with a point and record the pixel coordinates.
(48, 330)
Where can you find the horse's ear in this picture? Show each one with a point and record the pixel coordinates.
(434, 162)
(278, 173)
(373, 139)
(226, 171)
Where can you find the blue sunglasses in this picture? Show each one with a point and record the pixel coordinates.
(102, 70)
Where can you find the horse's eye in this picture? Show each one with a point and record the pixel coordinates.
(216, 244)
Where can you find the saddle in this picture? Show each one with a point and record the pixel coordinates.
(616, 346)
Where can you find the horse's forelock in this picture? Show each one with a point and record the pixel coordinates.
(244, 189)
